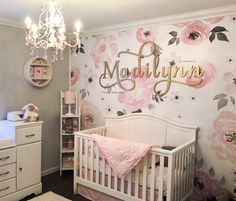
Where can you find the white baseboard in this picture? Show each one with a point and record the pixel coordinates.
(50, 171)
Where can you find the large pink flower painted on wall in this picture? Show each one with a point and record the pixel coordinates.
(90, 115)
(105, 49)
(206, 187)
(195, 32)
(145, 34)
(140, 96)
(209, 75)
(222, 134)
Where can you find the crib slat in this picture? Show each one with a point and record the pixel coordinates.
(129, 182)
(109, 176)
(115, 182)
(180, 177)
(122, 184)
(161, 178)
(189, 169)
(144, 184)
(185, 172)
(136, 190)
(192, 166)
(152, 176)
(103, 171)
(86, 159)
(177, 177)
(97, 165)
(76, 162)
(91, 160)
(80, 157)
(170, 178)
(182, 174)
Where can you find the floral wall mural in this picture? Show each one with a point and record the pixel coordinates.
(209, 43)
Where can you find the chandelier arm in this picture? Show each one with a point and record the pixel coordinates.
(78, 36)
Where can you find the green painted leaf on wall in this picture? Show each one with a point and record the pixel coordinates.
(222, 103)
(222, 37)
(232, 100)
(218, 96)
(211, 172)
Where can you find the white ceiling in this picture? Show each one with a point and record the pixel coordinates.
(99, 13)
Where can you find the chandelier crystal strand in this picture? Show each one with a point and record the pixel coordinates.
(49, 34)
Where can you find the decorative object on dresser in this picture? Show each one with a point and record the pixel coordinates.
(15, 116)
(38, 71)
(149, 179)
(69, 123)
(20, 162)
(31, 114)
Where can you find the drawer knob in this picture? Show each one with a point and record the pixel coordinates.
(3, 189)
(1, 174)
(5, 158)
(32, 135)
(20, 168)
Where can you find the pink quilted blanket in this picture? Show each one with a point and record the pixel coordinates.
(121, 155)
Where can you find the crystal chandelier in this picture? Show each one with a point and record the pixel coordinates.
(49, 34)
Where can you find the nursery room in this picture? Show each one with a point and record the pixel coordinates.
(118, 100)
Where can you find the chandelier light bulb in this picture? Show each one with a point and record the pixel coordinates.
(78, 26)
(28, 22)
(34, 28)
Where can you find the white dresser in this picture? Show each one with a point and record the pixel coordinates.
(20, 162)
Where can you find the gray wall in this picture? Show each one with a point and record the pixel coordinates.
(15, 92)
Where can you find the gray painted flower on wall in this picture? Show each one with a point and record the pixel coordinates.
(230, 79)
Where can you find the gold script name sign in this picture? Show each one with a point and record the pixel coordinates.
(166, 75)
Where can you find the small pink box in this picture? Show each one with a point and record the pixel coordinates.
(38, 72)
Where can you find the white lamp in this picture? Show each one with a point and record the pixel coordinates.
(69, 98)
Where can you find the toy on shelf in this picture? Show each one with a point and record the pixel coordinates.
(30, 114)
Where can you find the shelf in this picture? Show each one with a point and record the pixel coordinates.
(40, 78)
(67, 168)
(38, 72)
(69, 116)
(69, 124)
(43, 65)
(68, 134)
(64, 150)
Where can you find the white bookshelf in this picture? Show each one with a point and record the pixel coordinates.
(68, 125)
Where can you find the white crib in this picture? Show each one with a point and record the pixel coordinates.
(148, 180)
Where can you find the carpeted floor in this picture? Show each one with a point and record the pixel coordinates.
(61, 185)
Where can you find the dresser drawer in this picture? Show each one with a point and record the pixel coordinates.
(7, 156)
(7, 171)
(7, 187)
(28, 135)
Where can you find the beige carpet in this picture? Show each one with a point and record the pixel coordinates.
(49, 196)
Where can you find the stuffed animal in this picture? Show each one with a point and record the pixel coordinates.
(30, 113)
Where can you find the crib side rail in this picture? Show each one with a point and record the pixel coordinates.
(92, 170)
